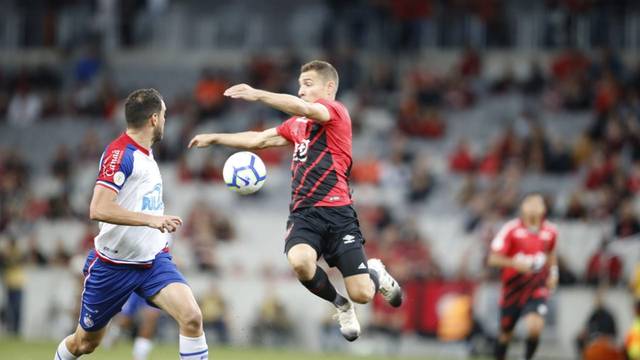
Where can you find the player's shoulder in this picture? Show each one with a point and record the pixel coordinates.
(123, 144)
(333, 104)
(550, 226)
(511, 225)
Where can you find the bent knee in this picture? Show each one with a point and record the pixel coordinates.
(193, 319)
(361, 294)
(303, 264)
(87, 346)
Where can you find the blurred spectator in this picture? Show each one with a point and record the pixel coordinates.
(25, 107)
(566, 275)
(604, 267)
(632, 339)
(88, 65)
(272, 326)
(12, 266)
(626, 224)
(600, 326)
(576, 209)
(366, 171)
(209, 94)
(461, 160)
(422, 179)
(388, 322)
(205, 227)
(470, 64)
(215, 317)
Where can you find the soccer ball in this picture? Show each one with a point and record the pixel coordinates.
(244, 172)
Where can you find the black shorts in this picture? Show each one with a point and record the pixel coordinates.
(509, 315)
(334, 233)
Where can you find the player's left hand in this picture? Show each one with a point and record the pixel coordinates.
(552, 283)
(242, 91)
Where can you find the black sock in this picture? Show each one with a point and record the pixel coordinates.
(374, 277)
(322, 287)
(532, 345)
(501, 350)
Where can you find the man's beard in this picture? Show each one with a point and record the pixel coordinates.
(157, 135)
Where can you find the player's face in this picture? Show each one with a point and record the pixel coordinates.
(312, 86)
(533, 206)
(158, 129)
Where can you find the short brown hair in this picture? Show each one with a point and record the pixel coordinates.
(323, 68)
(141, 105)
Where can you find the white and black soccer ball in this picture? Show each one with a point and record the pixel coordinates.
(244, 172)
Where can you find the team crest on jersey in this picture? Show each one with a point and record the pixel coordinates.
(545, 235)
(153, 199)
(301, 150)
(87, 321)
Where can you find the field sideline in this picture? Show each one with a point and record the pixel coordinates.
(20, 350)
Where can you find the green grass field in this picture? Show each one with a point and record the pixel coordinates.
(20, 350)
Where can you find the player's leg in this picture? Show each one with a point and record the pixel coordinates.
(502, 345)
(508, 317)
(360, 281)
(345, 250)
(122, 321)
(143, 343)
(105, 291)
(79, 343)
(302, 258)
(534, 320)
(178, 301)
(166, 288)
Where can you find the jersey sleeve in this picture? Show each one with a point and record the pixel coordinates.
(501, 243)
(554, 241)
(284, 129)
(332, 106)
(116, 166)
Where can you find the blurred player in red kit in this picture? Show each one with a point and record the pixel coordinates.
(525, 249)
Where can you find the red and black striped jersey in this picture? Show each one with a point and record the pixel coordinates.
(516, 240)
(321, 159)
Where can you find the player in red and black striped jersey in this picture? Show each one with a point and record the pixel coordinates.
(322, 221)
(525, 249)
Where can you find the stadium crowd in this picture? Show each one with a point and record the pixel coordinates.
(602, 161)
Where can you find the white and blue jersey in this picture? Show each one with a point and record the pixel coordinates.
(131, 171)
(127, 259)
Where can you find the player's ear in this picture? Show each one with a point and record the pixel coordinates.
(154, 119)
(331, 86)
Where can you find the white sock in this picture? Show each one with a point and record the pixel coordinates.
(193, 348)
(62, 353)
(141, 348)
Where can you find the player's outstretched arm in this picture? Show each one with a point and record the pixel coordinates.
(501, 261)
(249, 140)
(284, 102)
(104, 208)
(554, 275)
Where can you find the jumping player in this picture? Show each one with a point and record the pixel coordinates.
(322, 221)
(130, 254)
(525, 249)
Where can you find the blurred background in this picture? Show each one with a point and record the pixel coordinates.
(458, 107)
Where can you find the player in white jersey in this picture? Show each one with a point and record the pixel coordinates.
(131, 254)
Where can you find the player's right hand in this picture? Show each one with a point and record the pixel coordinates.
(166, 223)
(522, 265)
(200, 141)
